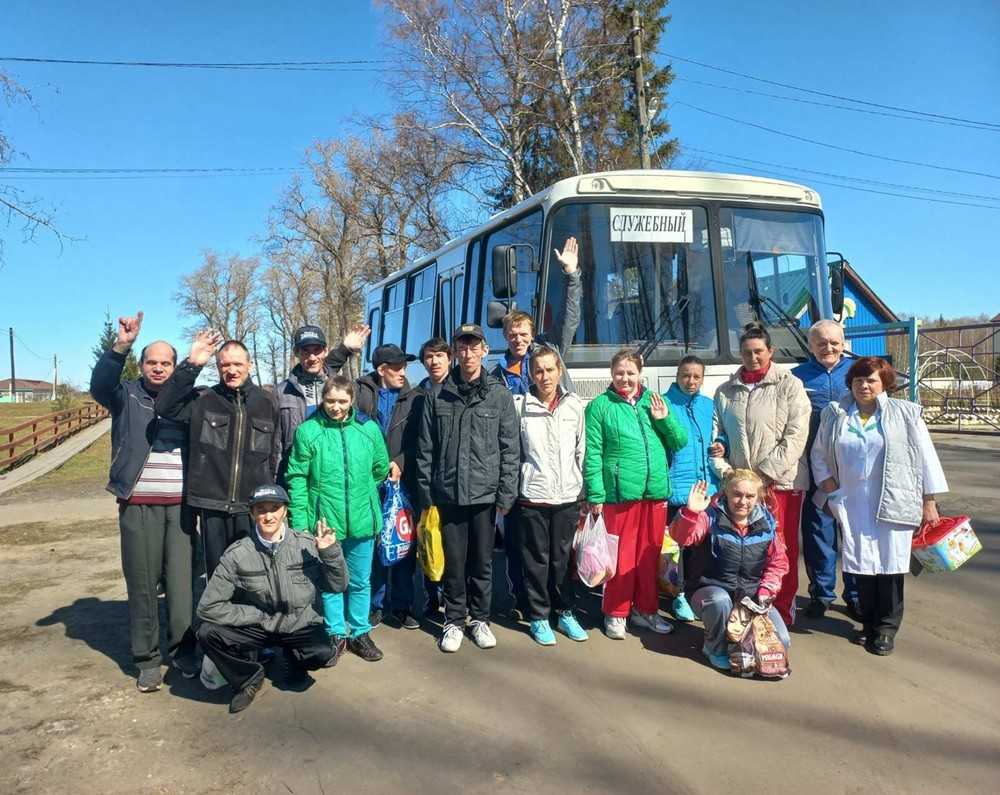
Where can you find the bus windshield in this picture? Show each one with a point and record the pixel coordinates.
(647, 279)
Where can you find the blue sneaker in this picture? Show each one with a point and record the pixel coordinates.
(570, 627)
(681, 609)
(720, 661)
(542, 633)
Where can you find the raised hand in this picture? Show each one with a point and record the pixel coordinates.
(657, 408)
(354, 339)
(128, 331)
(570, 257)
(325, 537)
(205, 344)
(698, 499)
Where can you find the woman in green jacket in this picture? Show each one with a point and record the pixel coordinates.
(337, 462)
(630, 434)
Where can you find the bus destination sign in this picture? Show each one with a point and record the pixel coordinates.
(651, 225)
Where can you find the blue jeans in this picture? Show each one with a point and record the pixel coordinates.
(396, 581)
(712, 605)
(350, 609)
(819, 549)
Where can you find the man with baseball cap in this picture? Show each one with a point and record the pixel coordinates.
(386, 396)
(468, 457)
(267, 592)
(299, 394)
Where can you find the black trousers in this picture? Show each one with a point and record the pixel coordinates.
(156, 542)
(467, 534)
(881, 601)
(546, 533)
(219, 529)
(234, 649)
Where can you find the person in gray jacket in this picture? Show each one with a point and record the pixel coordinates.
(147, 477)
(267, 592)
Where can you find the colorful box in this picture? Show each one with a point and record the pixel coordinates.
(946, 544)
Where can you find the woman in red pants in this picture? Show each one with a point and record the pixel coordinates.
(630, 433)
(762, 423)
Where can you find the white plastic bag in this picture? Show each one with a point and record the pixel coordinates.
(596, 552)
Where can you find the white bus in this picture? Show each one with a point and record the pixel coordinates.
(672, 262)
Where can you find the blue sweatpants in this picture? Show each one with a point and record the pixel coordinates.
(819, 549)
(350, 609)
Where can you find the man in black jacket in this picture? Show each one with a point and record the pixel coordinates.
(468, 456)
(387, 397)
(233, 441)
(147, 477)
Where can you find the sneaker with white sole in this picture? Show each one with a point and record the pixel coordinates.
(652, 621)
(451, 638)
(541, 632)
(614, 627)
(150, 680)
(570, 627)
(482, 635)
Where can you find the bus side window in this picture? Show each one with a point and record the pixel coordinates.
(392, 325)
(459, 282)
(465, 306)
(526, 234)
(375, 324)
(446, 315)
(420, 314)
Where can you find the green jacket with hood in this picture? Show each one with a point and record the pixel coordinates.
(627, 450)
(334, 471)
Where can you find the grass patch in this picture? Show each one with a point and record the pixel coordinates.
(34, 533)
(16, 413)
(84, 473)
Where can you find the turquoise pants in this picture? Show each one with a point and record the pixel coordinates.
(350, 609)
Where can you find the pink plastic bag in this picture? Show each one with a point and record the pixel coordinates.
(596, 552)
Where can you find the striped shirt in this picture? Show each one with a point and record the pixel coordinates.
(161, 481)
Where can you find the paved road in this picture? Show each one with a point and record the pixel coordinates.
(643, 715)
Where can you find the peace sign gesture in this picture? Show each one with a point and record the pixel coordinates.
(128, 331)
(325, 537)
(570, 257)
(657, 408)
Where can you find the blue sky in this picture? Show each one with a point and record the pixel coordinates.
(139, 235)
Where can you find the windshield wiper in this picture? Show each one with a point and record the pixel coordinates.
(663, 323)
(758, 302)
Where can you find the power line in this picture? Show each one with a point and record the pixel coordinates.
(827, 94)
(971, 126)
(332, 65)
(859, 152)
(25, 346)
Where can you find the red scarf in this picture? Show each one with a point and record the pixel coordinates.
(753, 376)
(632, 398)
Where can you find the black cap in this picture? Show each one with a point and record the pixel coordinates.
(391, 354)
(308, 335)
(269, 493)
(468, 330)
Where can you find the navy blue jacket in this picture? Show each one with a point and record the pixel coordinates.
(823, 388)
(690, 464)
(133, 421)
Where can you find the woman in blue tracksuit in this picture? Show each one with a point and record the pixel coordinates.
(690, 464)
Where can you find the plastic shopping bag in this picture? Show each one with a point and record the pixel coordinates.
(430, 549)
(396, 535)
(669, 574)
(596, 552)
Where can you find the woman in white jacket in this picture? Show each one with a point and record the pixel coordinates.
(553, 438)
(874, 460)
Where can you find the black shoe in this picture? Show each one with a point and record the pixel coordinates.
(365, 648)
(338, 643)
(297, 678)
(854, 610)
(244, 698)
(882, 645)
(859, 638)
(375, 617)
(405, 620)
(187, 664)
(816, 608)
(150, 680)
(517, 613)
(433, 606)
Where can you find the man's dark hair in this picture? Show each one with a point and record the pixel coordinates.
(233, 344)
(690, 359)
(142, 353)
(434, 345)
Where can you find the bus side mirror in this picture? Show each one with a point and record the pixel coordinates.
(504, 271)
(496, 311)
(837, 285)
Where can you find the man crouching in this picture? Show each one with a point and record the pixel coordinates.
(267, 592)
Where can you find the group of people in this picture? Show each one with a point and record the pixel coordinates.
(283, 488)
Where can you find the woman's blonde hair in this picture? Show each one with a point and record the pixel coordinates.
(737, 475)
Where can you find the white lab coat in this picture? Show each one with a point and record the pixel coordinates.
(871, 545)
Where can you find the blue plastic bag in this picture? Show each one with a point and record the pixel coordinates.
(395, 539)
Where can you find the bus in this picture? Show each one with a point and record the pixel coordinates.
(672, 263)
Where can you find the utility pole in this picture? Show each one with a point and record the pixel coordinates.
(55, 376)
(639, 83)
(12, 378)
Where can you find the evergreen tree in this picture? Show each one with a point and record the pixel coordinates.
(107, 339)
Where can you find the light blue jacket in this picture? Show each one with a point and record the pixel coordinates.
(690, 463)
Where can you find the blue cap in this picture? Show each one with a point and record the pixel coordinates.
(269, 493)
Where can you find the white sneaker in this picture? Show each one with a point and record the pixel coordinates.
(451, 638)
(614, 627)
(652, 621)
(210, 677)
(482, 635)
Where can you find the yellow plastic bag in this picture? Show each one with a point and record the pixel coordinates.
(669, 574)
(430, 549)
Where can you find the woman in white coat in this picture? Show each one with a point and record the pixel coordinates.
(874, 460)
(553, 441)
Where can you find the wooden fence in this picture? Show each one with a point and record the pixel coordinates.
(40, 433)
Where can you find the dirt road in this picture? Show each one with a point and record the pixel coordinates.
(643, 715)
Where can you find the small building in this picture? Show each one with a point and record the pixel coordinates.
(26, 390)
